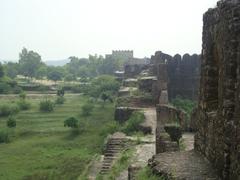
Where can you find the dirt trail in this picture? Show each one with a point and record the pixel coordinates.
(145, 150)
(188, 140)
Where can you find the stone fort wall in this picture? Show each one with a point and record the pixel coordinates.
(218, 123)
(183, 74)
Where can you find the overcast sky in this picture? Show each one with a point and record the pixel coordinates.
(57, 29)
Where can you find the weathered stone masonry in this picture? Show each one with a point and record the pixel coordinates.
(218, 123)
(183, 73)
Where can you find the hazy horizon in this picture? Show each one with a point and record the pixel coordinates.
(58, 29)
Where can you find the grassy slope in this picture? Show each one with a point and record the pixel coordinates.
(43, 149)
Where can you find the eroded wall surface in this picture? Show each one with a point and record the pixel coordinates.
(218, 123)
(183, 74)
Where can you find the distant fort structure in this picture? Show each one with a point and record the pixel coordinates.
(121, 54)
(127, 56)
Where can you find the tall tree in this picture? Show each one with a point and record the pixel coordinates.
(74, 65)
(11, 69)
(1, 70)
(41, 72)
(29, 62)
(55, 73)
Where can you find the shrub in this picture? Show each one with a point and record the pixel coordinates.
(6, 110)
(184, 104)
(106, 96)
(146, 173)
(43, 88)
(46, 106)
(132, 124)
(4, 137)
(22, 95)
(174, 131)
(71, 122)
(87, 109)
(60, 100)
(4, 88)
(11, 122)
(103, 83)
(69, 77)
(17, 90)
(23, 104)
(60, 92)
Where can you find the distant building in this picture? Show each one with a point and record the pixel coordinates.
(138, 61)
(123, 55)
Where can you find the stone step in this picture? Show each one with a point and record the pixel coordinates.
(117, 139)
(104, 171)
(106, 163)
(110, 154)
(115, 144)
(109, 158)
(114, 149)
(107, 166)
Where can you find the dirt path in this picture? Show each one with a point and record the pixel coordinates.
(188, 140)
(95, 168)
(146, 149)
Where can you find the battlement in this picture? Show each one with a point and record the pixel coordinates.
(123, 53)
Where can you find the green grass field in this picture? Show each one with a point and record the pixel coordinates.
(41, 148)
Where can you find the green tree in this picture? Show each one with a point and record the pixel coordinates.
(46, 106)
(109, 65)
(55, 74)
(87, 109)
(71, 122)
(74, 65)
(11, 122)
(104, 84)
(1, 71)
(41, 72)
(69, 77)
(83, 72)
(106, 96)
(29, 62)
(94, 64)
(12, 69)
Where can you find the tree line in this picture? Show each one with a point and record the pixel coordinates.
(30, 64)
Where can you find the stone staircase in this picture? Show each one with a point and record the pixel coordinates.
(115, 145)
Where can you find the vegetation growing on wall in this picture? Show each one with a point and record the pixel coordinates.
(184, 104)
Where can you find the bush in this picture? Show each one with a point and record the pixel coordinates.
(46, 106)
(71, 122)
(184, 104)
(43, 88)
(22, 95)
(103, 83)
(4, 137)
(146, 173)
(174, 131)
(87, 109)
(132, 124)
(11, 122)
(6, 110)
(4, 88)
(69, 77)
(23, 104)
(17, 90)
(60, 100)
(60, 92)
